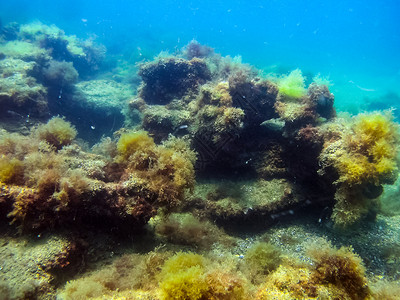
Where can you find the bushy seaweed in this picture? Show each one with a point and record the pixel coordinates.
(60, 73)
(57, 132)
(261, 259)
(365, 156)
(166, 170)
(185, 229)
(292, 85)
(338, 273)
(183, 277)
(10, 170)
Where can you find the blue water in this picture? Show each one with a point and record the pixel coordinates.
(355, 43)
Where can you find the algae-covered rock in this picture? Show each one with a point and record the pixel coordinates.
(359, 156)
(24, 50)
(187, 230)
(169, 78)
(48, 183)
(23, 266)
(164, 121)
(104, 94)
(253, 202)
(219, 104)
(96, 107)
(60, 74)
(19, 91)
(86, 55)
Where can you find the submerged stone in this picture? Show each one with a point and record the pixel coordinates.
(169, 78)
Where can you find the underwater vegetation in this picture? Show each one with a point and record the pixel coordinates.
(57, 132)
(187, 230)
(292, 85)
(334, 273)
(195, 152)
(389, 200)
(364, 153)
(238, 121)
(41, 66)
(166, 170)
(328, 272)
(49, 183)
(168, 78)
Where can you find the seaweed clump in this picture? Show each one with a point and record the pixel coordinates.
(131, 276)
(327, 272)
(195, 49)
(164, 171)
(185, 229)
(60, 73)
(334, 273)
(189, 276)
(46, 181)
(57, 132)
(10, 169)
(40, 184)
(292, 85)
(299, 106)
(364, 155)
(161, 275)
(183, 277)
(261, 259)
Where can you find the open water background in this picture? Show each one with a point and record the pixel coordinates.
(354, 43)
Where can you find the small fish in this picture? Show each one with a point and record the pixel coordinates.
(324, 215)
(282, 214)
(92, 127)
(139, 51)
(362, 88)
(14, 114)
(179, 128)
(365, 89)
